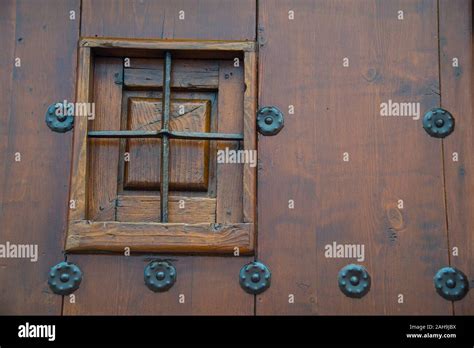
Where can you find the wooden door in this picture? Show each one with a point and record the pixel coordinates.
(353, 176)
(338, 172)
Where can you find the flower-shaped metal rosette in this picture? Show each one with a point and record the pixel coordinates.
(354, 281)
(269, 120)
(451, 283)
(64, 278)
(255, 277)
(438, 123)
(160, 276)
(58, 121)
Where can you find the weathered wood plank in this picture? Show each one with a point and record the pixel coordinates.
(250, 135)
(457, 93)
(149, 44)
(337, 110)
(34, 190)
(104, 153)
(157, 237)
(208, 284)
(229, 183)
(79, 157)
(8, 39)
(207, 20)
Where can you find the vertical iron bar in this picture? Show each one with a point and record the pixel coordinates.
(165, 151)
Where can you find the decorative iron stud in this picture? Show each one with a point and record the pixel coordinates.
(451, 284)
(160, 276)
(269, 120)
(64, 278)
(438, 123)
(354, 281)
(255, 277)
(57, 121)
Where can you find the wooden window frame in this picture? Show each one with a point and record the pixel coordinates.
(84, 235)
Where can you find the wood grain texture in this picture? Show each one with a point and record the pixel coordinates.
(210, 284)
(206, 20)
(189, 74)
(103, 154)
(337, 110)
(250, 136)
(33, 193)
(156, 237)
(153, 44)
(134, 208)
(78, 189)
(230, 175)
(189, 159)
(456, 96)
(7, 54)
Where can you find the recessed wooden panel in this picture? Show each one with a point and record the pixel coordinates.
(189, 159)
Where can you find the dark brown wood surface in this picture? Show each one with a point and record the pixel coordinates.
(170, 238)
(146, 208)
(103, 154)
(229, 186)
(300, 63)
(84, 94)
(186, 73)
(210, 284)
(204, 20)
(34, 191)
(456, 96)
(337, 111)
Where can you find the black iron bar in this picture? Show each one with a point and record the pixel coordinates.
(159, 134)
(124, 134)
(165, 142)
(205, 136)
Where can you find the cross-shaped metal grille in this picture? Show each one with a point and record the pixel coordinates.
(165, 134)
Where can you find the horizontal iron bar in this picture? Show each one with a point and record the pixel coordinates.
(206, 136)
(123, 134)
(160, 133)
